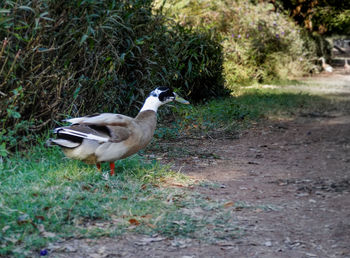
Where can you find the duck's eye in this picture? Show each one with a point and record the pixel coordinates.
(153, 94)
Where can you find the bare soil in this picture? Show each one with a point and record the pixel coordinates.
(299, 169)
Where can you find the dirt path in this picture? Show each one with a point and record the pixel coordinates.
(301, 170)
(292, 179)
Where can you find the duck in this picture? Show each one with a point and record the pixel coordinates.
(326, 67)
(109, 137)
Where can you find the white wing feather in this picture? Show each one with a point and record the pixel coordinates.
(81, 135)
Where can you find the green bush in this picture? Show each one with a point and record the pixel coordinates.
(259, 44)
(67, 58)
(198, 63)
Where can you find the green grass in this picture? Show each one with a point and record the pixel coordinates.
(45, 198)
(228, 116)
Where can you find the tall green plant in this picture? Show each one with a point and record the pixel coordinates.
(68, 58)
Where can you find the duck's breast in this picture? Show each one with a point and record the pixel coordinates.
(85, 151)
(109, 151)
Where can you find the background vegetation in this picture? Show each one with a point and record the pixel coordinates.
(67, 58)
(321, 18)
(259, 44)
(326, 17)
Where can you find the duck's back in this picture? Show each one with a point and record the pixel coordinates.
(141, 133)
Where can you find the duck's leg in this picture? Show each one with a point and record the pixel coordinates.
(112, 166)
(98, 165)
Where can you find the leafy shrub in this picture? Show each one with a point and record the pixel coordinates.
(331, 18)
(259, 44)
(197, 62)
(68, 58)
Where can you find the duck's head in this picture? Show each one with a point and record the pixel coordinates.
(161, 96)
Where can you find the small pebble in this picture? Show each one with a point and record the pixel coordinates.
(43, 252)
(268, 243)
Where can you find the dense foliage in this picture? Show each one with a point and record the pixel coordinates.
(259, 43)
(77, 57)
(326, 17)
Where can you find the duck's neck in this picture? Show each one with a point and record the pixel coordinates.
(151, 103)
(323, 61)
(146, 115)
(147, 121)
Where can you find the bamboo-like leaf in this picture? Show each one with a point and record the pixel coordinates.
(122, 57)
(106, 27)
(26, 8)
(6, 23)
(113, 20)
(189, 68)
(44, 16)
(83, 39)
(5, 11)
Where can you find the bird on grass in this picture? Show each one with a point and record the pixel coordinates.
(326, 67)
(109, 137)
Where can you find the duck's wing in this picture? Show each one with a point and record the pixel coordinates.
(105, 127)
(103, 119)
(76, 133)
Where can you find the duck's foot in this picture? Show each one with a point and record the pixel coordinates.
(112, 166)
(98, 165)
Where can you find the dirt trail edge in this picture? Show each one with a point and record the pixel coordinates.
(294, 177)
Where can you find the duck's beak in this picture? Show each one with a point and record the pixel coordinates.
(181, 100)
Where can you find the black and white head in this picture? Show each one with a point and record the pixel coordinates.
(161, 96)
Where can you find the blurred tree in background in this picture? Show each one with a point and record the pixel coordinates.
(259, 43)
(327, 17)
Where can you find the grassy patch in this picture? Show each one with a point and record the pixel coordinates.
(228, 116)
(45, 198)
